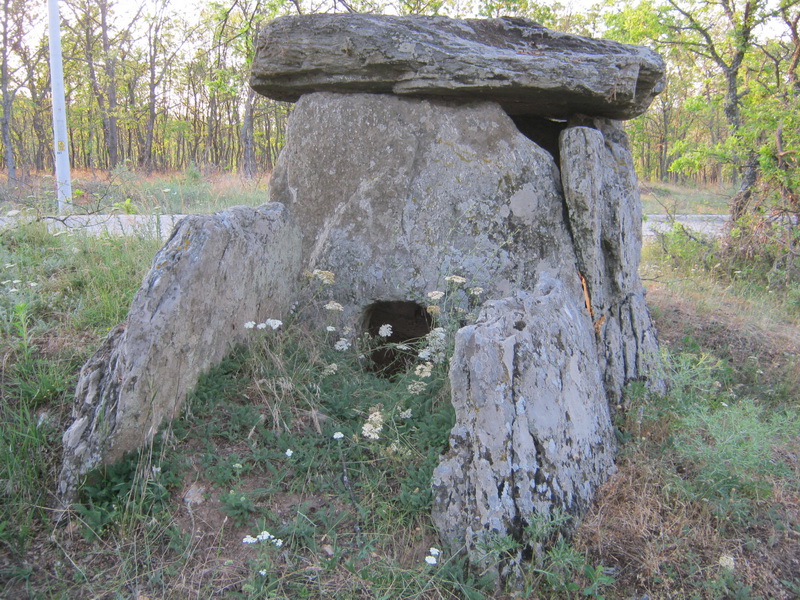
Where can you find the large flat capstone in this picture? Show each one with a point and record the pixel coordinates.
(525, 67)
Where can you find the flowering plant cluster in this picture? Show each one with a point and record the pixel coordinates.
(264, 536)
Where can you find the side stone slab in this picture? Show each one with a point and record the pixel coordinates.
(605, 215)
(214, 274)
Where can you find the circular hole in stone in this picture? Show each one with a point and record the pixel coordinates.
(409, 322)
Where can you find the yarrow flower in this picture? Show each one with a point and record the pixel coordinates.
(326, 277)
(330, 329)
(417, 387)
(249, 539)
(263, 572)
(456, 279)
(405, 414)
(249, 324)
(330, 369)
(433, 556)
(435, 351)
(385, 330)
(342, 345)
(274, 323)
(338, 435)
(727, 562)
(424, 370)
(289, 453)
(334, 306)
(372, 428)
(435, 295)
(261, 326)
(475, 291)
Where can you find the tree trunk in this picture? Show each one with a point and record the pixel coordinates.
(8, 100)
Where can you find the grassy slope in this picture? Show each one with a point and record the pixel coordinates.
(706, 476)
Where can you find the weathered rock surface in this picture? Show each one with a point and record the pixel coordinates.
(601, 193)
(394, 195)
(532, 433)
(214, 274)
(429, 190)
(526, 68)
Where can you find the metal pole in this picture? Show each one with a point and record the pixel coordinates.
(61, 145)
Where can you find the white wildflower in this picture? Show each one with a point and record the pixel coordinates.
(727, 562)
(330, 369)
(455, 279)
(249, 539)
(417, 387)
(334, 306)
(435, 295)
(385, 330)
(433, 310)
(338, 435)
(156, 470)
(403, 347)
(330, 329)
(273, 323)
(326, 277)
(342, 345)
(264, 536)
(475, 291)
(434, 552)
(263, 572)
(431, 560)
(405, 414)
(436, 346)
(249, 324)
(289, 453)
(237, 466)
(374, 425)
(424, 370)
(278, 542)
(261, 326)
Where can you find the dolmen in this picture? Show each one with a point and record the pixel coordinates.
(418, 149)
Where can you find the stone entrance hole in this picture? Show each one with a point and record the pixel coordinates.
(410, 322)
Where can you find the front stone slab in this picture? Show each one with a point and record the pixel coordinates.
(533, 432)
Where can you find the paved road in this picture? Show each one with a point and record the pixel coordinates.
(163, 224)
(711, 225)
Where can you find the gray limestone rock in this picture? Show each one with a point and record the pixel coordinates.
(533, 433)
(526, 68)
(214, 274)
(605, 215)
(428, 190)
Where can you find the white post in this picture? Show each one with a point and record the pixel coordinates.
(63, 178)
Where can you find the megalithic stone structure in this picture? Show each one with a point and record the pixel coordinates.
(420, 148)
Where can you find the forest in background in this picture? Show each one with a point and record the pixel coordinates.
(162, 88)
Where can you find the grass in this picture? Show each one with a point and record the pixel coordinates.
(660, 198)
(126, 192)
(705, 502)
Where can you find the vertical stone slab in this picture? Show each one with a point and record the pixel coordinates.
(605, 218)
(214, 274)
(533, 432)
